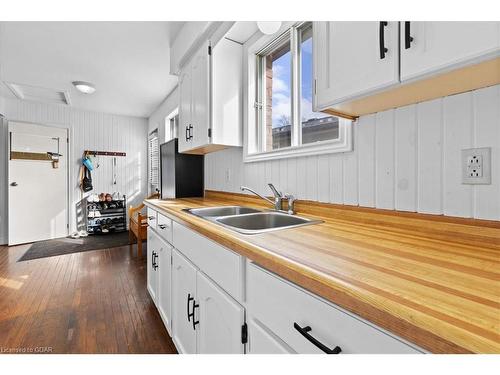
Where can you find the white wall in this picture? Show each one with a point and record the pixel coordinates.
(405, 159)
(90, 130)
(157, 118)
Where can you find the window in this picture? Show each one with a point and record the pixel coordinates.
(284, 123)
(172, 125)
(154, 162)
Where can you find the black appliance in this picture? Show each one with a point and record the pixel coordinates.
(181, 174)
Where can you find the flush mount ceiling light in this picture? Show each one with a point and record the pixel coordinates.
(269, 27)
(85, 87)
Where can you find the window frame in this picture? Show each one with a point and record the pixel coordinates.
(255, 127)
(153, 156)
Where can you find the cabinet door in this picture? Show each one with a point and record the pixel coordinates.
(221, 319)
(349, 60)
(262, 341)
(165, 284)
(183, 300)
(152, 268)
(185, 113)
(200, 75)
(445, 45)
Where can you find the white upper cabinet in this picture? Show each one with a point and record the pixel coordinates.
(184, 108)
(428, 47)
(353, 59)
(210, 105)
(221, 319)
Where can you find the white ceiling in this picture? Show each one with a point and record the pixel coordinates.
(127, 61)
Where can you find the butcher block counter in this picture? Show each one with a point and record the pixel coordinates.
(432, 280)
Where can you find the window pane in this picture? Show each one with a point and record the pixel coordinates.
(316, 126)
(278, 115)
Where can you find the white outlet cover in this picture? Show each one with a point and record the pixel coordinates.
(476, 166)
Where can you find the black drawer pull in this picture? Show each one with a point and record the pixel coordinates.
(381, 38)
(408, 37)
(162, 226)
(151, 218)
(305, 332)
(187, 133)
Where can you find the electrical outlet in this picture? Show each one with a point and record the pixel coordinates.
(476, 166)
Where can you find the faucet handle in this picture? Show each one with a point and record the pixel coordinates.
(291, 203)
(276, 193)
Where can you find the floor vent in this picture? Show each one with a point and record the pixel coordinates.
(39, 94)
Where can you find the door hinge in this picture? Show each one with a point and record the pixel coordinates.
(244, 333)
(210, 133)
(209, 50)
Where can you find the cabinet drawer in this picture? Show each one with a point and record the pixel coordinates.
(222, 265)
(278, 305)
(164, 227)
(152, 218)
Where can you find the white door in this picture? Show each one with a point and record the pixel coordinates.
(352, 59)
(153, 264)
(441, 45)
(38, 192)
(184, 108)
(220, 320)
(183, 304)
(165, 284)
(200, 90)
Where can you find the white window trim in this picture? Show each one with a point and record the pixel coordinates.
(253, 136)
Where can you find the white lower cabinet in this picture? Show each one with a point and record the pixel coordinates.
(262, 341)
(165, 284)
(183, 304)
(205, 318)
(307, 324)
(152, 264)
(221, 319)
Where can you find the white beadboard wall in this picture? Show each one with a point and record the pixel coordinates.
(90, 130)
(406, 159)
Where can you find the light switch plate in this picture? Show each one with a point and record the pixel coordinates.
(476, 166)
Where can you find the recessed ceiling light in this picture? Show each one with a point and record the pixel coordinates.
(269, 27)
(85, 87)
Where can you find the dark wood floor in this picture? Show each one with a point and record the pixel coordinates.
(91, 302)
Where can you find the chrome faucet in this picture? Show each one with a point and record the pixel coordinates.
(278, 198)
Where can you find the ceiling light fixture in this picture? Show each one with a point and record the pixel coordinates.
(85, 87)
(269, 27)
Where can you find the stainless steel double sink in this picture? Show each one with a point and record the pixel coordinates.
(248, 220)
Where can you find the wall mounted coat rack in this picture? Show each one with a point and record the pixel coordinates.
(104, 153)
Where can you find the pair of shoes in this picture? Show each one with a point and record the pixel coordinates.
(76, 235)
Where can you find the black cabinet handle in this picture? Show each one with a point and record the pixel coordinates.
(189, 299)
(153, 259)
(195, 322)
(190, 128)
(408, 37)
(162, 226)
(155, 256)
(151, 218)
(381, 38)
(187, 133)
(304, 331)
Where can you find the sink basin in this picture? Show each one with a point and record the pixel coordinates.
(221, 211)
(262, 222)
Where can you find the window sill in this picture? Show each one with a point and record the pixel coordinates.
(343, 144)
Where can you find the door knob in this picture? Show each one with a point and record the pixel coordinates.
(13, 184)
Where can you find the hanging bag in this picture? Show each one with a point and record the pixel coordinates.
(87, 181)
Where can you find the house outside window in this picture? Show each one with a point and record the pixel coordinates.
(283, 122)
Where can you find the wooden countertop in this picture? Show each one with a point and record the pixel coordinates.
(432, 280)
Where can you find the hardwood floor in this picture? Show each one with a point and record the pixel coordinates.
(90, 302)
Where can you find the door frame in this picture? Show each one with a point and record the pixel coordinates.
(68, 169)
